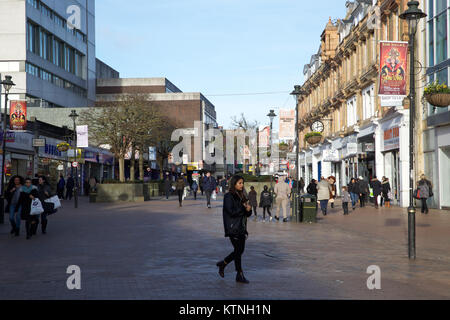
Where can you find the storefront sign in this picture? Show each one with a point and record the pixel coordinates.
(22, 141)
(368, 147)
(38, 142)
(331, 155)
(18, 115)
(392, 139)
(10, 136)
(352, 148)
(393, 68)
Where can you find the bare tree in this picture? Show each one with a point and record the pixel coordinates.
(124, 124)
(241, 123)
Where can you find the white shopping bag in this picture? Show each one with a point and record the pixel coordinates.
(55, 201)
(214, 196)
(36, 207)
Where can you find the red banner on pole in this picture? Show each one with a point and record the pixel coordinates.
(393, 68)
(18, 116)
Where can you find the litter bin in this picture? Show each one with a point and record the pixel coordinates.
(308, 212)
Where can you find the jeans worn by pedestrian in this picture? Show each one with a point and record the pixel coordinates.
(345, 207)
(208, 196)
(354, 197)
(324, 206)
(14, 216)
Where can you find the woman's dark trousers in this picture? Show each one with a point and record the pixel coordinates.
(254, 211)
(69, 194)
(180, 196)
(43, 222)
(268, 212)
(424, 205)
(195, 195)
(239, 246)
(362, 200)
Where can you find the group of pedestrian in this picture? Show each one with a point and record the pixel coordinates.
(360, 190)
(69, 186)
(19, 195)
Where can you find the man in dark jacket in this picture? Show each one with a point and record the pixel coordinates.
(375, 184)
(60, 187)
(363, 191)
(69, 187)
(167, 186)
(209, 186)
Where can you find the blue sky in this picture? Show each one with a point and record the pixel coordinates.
(217, 47)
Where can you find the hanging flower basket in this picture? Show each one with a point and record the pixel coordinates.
(63, 147)
(437, 94)
(313, 137)
(441, 100)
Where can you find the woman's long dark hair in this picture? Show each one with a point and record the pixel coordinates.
(233, 190)
(11, 182)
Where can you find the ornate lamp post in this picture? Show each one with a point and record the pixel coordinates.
(7, 84)
(74, 117)
(296, 93)
(413, 14)
(271, 116)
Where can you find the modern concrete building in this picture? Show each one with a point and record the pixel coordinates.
(48, 47)
(104, 71)
(184, 108)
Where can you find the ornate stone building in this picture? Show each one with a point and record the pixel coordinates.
(360, 137)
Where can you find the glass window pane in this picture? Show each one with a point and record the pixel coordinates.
(430, 8)
(441, 38)
(441, 5)
(431, 43)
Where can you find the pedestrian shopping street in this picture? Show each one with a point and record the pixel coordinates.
(157, 250)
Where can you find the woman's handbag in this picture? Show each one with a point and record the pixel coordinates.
(49, 208)
(416, 194)
(390, 195)
(36, 207)
(55, 201)
(214, 195)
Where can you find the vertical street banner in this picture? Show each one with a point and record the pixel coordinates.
(287, 125)
(82, 137)
(264, 137)
(393, 69)
(152, 153)
(18, 116)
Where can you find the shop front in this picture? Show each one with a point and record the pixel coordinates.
(52, 162)
(366, 152)
(395, 155)
(349, 156)
(19, 155)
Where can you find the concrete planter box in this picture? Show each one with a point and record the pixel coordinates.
(127, 192)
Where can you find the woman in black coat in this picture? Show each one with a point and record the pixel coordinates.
(27, 194)
(236, 210)
(266, 202)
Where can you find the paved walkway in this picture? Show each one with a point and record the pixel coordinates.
(156, 250)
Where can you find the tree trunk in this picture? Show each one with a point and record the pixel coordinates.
(122, 169)
(132, 163)
(141, 165)
(161, 167)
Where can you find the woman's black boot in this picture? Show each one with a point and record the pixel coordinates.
(240, 278)
(221, 265)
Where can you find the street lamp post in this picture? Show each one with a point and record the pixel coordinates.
(271, 116)
(74, 117)
(296, 93)
(413, 14)
(7, 84)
